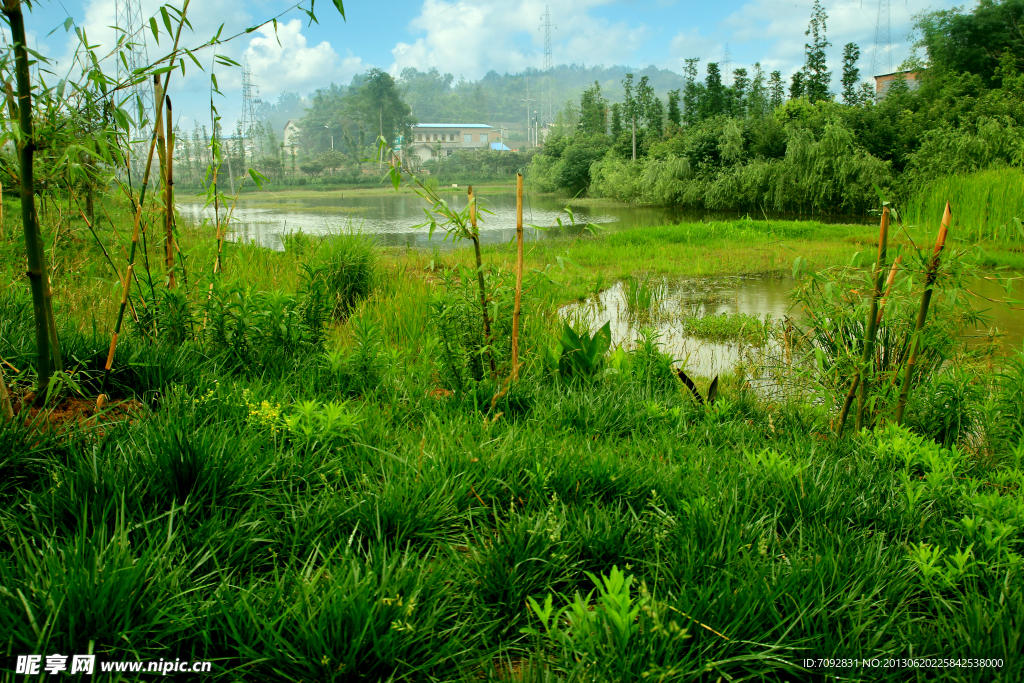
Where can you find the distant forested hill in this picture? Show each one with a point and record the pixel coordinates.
(499, 98)
(494, 99)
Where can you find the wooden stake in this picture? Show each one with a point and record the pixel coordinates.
(519, 276)
(922, 314)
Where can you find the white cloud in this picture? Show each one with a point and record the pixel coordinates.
(469, 39)
(778, 29)
(286, 62)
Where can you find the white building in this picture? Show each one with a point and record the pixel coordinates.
(291, 134)
(432, 139)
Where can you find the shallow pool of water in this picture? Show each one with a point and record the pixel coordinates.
(759, 296)
(391, 217)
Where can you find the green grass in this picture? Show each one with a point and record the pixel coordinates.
(725, 327)
(984, 205)
(296, 506)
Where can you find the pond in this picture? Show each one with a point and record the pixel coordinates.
(757, 296)
(391, 217)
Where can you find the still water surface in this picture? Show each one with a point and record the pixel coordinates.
(759, 296)
(391, 218)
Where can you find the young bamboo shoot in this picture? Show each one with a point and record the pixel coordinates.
(480, 280)
(519, 276)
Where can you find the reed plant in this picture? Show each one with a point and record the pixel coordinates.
(644, 295)
(989, 207)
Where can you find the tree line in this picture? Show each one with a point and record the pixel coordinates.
(763, 143)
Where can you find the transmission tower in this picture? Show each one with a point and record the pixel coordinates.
(128, 20)
(881, 56)
(250, 101)
(549, 62)
(727, 67)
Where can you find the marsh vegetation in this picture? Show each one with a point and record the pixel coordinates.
(341, 461)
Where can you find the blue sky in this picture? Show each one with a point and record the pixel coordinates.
(470, 37)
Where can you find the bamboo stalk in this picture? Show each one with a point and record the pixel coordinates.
(37, 276)
(866, 361)
(101, 398)
(859, 381)
(922, 314)
(519, 276)
(888, 288)
(161, 148)
(3, 235)
(475, 236)
(169, 198)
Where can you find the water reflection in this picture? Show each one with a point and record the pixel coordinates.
(390, 217)
(759, 296)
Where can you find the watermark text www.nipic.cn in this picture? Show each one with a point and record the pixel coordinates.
(86, 664)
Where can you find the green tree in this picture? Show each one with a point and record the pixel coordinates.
(740, 84)
(616, 120)
(379, 106)
(818, 77)
(674, 114)
(593, 111)
(973, 42)
(651, 110)
(330, 159)
(796, 86)
(776, 90)
(691, 92)
(757, 100)
(851, 74)
(630, 108)
(714, 97)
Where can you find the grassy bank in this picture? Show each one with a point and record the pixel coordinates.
(310, 475)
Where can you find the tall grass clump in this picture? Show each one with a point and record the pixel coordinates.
(990, 205)
(643, 295)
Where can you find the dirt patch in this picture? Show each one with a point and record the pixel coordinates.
(73, 411)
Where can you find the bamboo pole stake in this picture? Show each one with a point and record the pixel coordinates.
(102, 398)
(922, 314)
(169, 198)
(867, 359)
(519, 276)
(480, 279)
